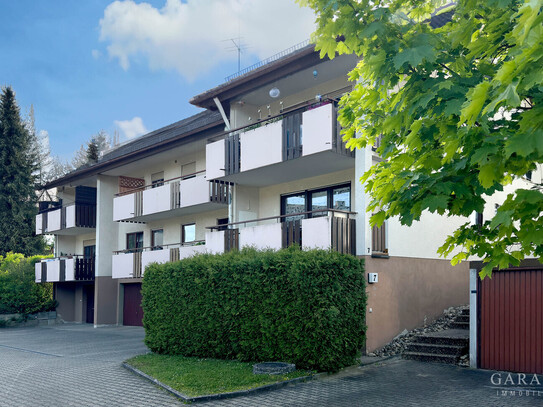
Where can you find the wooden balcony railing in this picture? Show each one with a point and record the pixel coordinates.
(378, 239)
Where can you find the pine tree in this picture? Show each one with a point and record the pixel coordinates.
(93, 152)
(18, 200)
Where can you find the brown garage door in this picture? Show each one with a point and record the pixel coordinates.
(510, 319)
(132, 311)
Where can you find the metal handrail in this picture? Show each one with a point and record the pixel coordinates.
(267, 60)
(145, 187)
(302, 106)
(244, 222)
(150, 248)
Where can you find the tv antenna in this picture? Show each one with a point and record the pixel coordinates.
(237, 46)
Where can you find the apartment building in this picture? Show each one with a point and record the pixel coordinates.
(263, 165)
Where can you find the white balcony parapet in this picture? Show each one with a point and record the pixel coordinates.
(318, 128)
(261, 237)
(128, 264)
(319, 229)
(70, 216)
(54, 220)
(53, 270)
(39, 224)
(261, 146)
(174, 194)
(215, 160)
(122, 265)
(317, 233)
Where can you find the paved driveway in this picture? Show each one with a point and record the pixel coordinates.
(78, 365)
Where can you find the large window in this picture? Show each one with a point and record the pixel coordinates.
(134, 242)
(188, 233)
(316, 201)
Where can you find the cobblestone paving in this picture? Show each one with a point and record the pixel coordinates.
(78, 365)
(74, 365)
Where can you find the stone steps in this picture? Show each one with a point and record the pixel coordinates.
(430, 357)
(444, 346)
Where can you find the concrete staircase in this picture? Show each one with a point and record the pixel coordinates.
(444, 346)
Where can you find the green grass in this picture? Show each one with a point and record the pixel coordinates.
(198, 377)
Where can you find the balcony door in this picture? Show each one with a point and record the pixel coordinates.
(134, 242)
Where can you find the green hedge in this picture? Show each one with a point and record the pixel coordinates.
(19, 294)
(303, 307)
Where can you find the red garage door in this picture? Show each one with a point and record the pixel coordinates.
(510, 318)
(132, 311)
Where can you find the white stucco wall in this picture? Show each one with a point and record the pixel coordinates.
(106, 228)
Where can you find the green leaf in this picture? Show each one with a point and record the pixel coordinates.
(414, 56)
(474, 104)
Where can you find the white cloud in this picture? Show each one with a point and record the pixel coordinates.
(96, 54)
(188, 36)
(131, 128)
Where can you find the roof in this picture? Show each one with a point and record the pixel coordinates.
(156, 141)
(295, 61)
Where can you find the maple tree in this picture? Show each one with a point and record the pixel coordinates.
(459, 109)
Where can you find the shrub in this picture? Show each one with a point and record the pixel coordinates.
(19, 294)
(303, 307)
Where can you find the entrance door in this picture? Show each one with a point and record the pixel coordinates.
(89, 290)
(132, 311)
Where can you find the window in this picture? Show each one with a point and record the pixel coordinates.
(134, 242)
(188, 170)
(89, 251)
(529, 175)
(316, 201)
(157, 179)
(188, 233)
(157, 239)
(222, 221)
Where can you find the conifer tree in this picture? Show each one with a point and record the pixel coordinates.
(18, 200)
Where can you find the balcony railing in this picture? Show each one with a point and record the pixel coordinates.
(172, 194)
(297, 132)
(131, 263)
(379, 241)
(324, 228)
(69, 268)
(55, 220)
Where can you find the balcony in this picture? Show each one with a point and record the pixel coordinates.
(132, 264)
(67, 220)
(70, 268)
(174, 197)
(301, 143)
(323, 229)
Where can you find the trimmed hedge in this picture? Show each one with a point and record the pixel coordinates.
(302, 307)
(19, 294)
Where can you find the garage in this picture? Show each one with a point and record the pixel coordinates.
(132, 310)
(509, 327)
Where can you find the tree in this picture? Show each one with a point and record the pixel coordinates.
(97, 146)
(92, 151)
(459, 109)
(18, 201)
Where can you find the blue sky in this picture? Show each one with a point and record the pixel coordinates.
(96, 64)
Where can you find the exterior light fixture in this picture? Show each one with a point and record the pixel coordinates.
(274, 92)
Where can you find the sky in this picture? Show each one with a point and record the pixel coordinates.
(131, 66)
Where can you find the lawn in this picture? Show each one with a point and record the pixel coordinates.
(198, 377)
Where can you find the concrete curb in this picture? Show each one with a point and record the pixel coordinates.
(240, 393)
